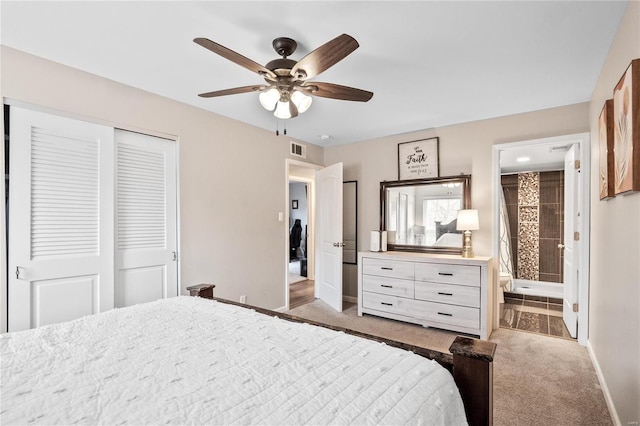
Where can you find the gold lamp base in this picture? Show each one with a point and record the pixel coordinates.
(467, 250)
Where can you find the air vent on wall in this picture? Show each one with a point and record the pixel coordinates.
(298, 150)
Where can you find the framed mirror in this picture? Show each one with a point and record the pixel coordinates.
(420, 214)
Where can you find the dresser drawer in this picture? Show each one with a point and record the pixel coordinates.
(385, 303)
(460, 316)
(448, 293)
(390, 286)
(387, 268)
(448, 274)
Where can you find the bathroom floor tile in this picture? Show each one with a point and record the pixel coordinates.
(533, 316)
(532, 309)
(529, 321)
(555, 301)
(510, 301)
(509, 317)
(557, 328)
(555, 308)
(535, 304)
(536, 298)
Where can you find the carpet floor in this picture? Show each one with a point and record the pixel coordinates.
(538, 380)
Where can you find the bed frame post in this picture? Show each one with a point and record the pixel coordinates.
(473, 373)
(201, 290)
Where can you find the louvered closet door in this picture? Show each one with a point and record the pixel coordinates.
(146, 243)
(60, 219)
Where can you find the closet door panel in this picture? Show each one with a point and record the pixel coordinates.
(146, 210)
(78, 295)
(61, 219)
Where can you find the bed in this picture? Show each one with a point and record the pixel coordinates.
(189, 360)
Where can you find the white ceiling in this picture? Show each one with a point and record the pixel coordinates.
(430, 64)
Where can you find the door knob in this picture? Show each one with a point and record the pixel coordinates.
(560, 246)
(339, 244)
(175, 256)
(18, 269)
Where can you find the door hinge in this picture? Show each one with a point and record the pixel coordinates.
(576, 236)
(575, 307)
(577, 164)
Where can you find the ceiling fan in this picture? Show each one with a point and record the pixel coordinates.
(288, 88)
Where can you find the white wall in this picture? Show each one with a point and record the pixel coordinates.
(229, 201)
(464, 148)
(615, 249)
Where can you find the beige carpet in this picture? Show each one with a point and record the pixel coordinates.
(538, 380)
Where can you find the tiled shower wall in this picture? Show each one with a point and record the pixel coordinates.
(535, 206)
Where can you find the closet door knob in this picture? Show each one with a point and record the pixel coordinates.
(560, 246)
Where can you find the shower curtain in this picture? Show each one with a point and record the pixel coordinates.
(506, 262)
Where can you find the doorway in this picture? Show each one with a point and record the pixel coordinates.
(300, 257)
(541, 239)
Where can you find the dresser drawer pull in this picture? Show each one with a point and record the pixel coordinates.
(446, 274)
(386, 286)
(387, 304)
(445, 314)
(445, 294)
(386, 268)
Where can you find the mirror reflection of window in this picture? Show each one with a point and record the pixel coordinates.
(442, 210)
(402, 219)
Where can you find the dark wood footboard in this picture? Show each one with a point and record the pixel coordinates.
(470, 363)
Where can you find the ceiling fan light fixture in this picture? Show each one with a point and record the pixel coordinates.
(283, 110)
(269, 98)
(301, 101)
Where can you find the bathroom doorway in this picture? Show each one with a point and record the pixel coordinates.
(541, 239)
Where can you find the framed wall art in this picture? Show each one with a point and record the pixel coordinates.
(418, 159)
(605, 143)
(626, 125)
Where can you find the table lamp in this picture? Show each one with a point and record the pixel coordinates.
(467, 222)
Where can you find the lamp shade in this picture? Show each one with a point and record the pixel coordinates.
(283, 110)
(302, 101)
(467, 220)
(269, 98)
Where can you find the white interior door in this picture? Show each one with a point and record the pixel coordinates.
(146, 240)
(571, 245)
(60, 219)
(329, 235)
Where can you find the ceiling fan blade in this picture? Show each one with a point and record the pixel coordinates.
(336, 91)
(234, 91)
(324, 57)
(234, 57)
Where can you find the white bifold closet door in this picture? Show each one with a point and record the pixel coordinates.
(92, 219)
(146, 244)
(61, 222)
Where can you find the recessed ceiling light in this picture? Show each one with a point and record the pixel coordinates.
(324, 136)
(522, 159)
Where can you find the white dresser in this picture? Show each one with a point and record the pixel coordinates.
(435, 290)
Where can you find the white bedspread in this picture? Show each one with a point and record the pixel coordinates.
(187, 360)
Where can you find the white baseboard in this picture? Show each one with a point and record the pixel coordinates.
(350, 299)
(281, 309)
(603, 385)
